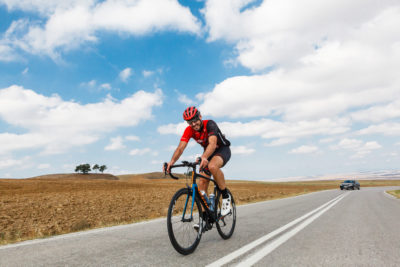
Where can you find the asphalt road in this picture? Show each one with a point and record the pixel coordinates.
(329, 228)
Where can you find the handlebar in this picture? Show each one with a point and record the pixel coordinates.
(184, 164)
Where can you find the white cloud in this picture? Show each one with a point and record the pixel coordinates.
(91, 84)
(8, 163)
(281, 31)
(157, 162)
(132, 138)
(54, 125)
(116, 143)
(304, 150)
(289, 131)
(312, 63)
(281, 132)
(387, 128)
(43, 166)
(66, 25)
(173, 128)
(43, 7)
(147, 73)
(280, 142)
(7, 53)
(68, 167)
(359, 147)
(105, 86)
(326, 140)
(242, 150)
(348, 144)
(378, 113)
(125, 74)
(304, 93)
(140, 152)
(184, 99)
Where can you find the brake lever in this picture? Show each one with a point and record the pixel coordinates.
(170, 174)
(165, 168)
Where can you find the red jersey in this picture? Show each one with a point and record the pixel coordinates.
(209, 128)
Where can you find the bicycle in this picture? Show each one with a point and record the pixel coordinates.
(189, 214)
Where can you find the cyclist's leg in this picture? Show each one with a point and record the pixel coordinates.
(203, 183)
(215, 166)
(218, 160)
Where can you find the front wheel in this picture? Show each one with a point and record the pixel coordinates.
(226, 224)
(181, 220)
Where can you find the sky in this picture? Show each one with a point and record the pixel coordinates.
(300, 88)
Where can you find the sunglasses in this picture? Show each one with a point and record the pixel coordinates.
(193, 120)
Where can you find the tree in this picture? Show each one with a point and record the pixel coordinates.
(102, 168)
(83, 168)
(96, 167)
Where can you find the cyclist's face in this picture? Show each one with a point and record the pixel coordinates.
(195, 124)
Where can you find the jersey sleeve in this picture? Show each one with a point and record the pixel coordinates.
(187, 134)
(212, 128)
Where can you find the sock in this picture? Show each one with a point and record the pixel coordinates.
(225, 193)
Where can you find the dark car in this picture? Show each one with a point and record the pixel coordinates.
(350, 184)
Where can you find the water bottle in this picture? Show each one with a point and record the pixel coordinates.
(203, 193)
(212, 201)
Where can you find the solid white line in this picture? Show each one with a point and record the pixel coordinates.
(77, 234)
(246, 248)
(282, 239)
(285, 198)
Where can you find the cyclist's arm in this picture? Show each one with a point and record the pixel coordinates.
(178, 152)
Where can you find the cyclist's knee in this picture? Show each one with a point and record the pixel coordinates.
(213, 168)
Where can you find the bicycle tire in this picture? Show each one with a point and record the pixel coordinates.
(226, 225)
(184, 238)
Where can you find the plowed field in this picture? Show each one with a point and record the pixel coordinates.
(34, 208)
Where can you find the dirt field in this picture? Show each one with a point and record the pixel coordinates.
(57, 204)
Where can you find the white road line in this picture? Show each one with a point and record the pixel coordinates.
(77, 234)
(386, 194)
(253, 259)
(246, 248)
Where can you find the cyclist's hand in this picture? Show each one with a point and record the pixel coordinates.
(165, 168)
(168, 170)
(203, 163)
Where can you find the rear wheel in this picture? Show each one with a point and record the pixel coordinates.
(181, 231)
(226, 224)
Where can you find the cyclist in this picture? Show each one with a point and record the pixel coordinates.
(216, 152)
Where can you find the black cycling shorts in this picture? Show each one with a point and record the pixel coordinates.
(224, 152)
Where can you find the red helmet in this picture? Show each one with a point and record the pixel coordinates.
(190, 113)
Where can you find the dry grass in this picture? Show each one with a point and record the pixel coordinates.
(395, 193)
(57, 204)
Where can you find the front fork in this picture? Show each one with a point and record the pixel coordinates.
(194, 187)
